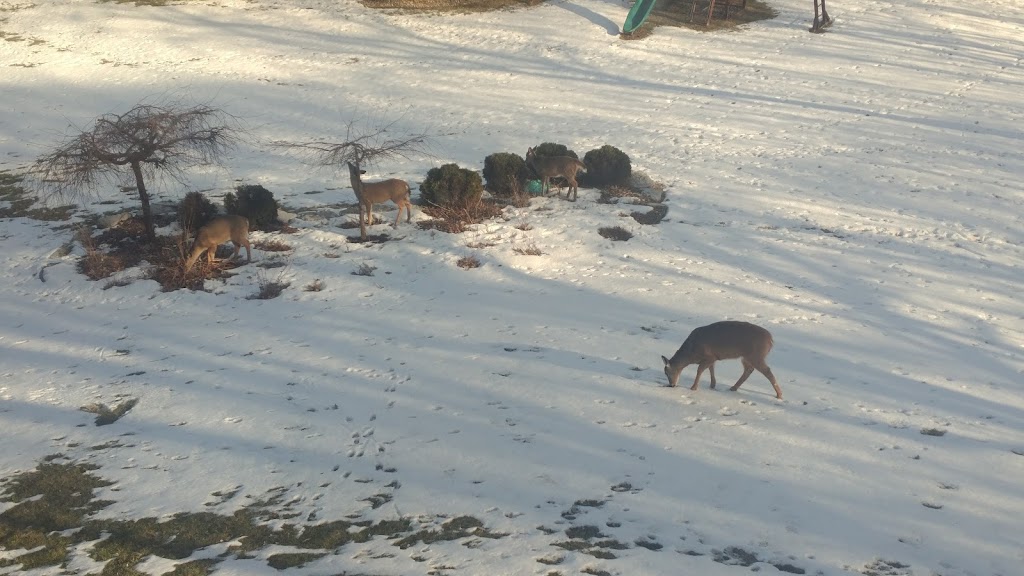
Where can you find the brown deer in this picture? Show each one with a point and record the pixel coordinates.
(370, 193)
(723, 341)
(218, 231)
(548, 167)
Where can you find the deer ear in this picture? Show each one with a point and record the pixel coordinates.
(665, 360)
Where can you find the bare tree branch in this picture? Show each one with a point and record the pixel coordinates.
(363, 146)
(149, 139)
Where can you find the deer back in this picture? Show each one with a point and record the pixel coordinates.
(724, 340)
(223, 228)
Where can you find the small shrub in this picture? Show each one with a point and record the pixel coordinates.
(467, 262)
(481, 244)
(505, 173)
(530, 250)
(195, 210)
(255, 203)
(268, 287)
(364, 269)
(615, 233)
(452, 186)
(553, 149)
(314, 286)
(525, 226)
(606, 166)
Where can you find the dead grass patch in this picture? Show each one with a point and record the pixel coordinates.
(272, 245)
(21, 204)
(468, 262)
(125, 246)
(314, 286)
(617, 233)
(461, 6)
(612, 194)
(454, 220)
(530, 250)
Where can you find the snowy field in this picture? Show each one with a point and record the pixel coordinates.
(858, 193)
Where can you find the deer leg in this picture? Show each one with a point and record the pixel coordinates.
(238, 250)
(764, 369)
(711, 369)
(398, 217)
(748, 369)
(704, 365)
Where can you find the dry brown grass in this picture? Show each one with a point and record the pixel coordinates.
(617, 233)
(530, 250)
(272, 245)
(448, 5)
(467, 262)
(125, 246)
(269, 288)
(314, 286)
(455, 219)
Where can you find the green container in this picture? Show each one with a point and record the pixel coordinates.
(534, 187)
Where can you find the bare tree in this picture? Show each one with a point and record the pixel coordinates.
(363, 146)
(147, 140)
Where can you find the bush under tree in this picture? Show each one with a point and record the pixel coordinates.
(255, 203)
(451, 186)
(195, 210)
(505, 173)
(606, 166)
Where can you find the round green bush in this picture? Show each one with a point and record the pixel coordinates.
(505, 173)
(553, 149)
(195, 210)
(606, 166)
(452, 187)
(255, 203)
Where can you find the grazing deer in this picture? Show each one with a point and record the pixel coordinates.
(548, 167)
(370, 193)
(218, 231)
(723, 341)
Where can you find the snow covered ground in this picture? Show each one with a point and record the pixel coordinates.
(857, 193)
